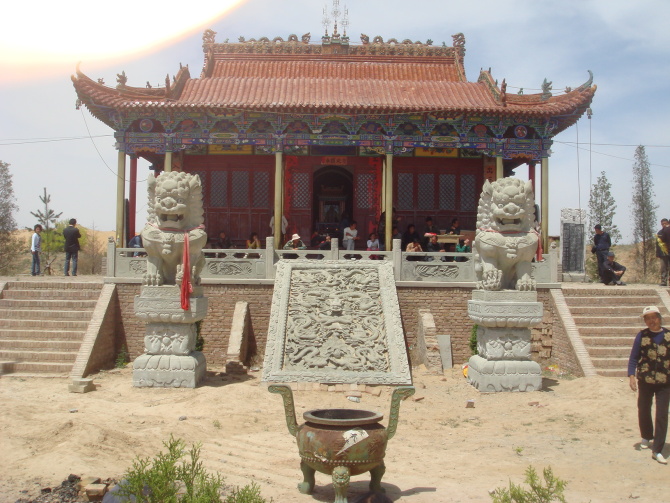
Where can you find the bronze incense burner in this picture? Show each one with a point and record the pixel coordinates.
(341, 442)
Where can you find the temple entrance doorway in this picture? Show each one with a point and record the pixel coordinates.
(333, 200)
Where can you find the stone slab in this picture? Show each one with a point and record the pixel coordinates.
(336, 322)
(163, 303)
(81, 385)
(504, 375)
(444, 342)
(505, 313)
(504, 296)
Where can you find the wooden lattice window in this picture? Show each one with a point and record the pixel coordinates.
(426, 195)
(240, 193)
(447, 192)
(405, 191)
(365, 190)
(261, 188)
(218, 192)
(468, 193)
(300, 190)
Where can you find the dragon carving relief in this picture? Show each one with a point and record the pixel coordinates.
(174, 214)
(335, 322)
(505, 241)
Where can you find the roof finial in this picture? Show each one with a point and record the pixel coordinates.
(335, 16)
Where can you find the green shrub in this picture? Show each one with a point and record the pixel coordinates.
(473, 340)
(248, 494)
(538, 493)
(168, 478)
(199, 340)
(122, 359)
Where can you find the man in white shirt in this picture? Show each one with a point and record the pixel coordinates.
(35, 249)
(350, 236)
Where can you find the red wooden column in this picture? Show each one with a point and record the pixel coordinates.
(132, 197)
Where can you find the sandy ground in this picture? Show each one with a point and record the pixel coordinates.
(585, 429)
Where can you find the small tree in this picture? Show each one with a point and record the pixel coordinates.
(47, 218)
(643, 210)
(602, 207)
(91, 248)
(10, 246)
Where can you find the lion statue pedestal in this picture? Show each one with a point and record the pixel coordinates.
(504, 319)
(171, 302)
(505, 305)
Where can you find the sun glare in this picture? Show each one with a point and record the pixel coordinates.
(38, 37)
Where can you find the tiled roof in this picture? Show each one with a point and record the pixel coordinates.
(323, 83)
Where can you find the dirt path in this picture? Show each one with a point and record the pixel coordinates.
(585, 429)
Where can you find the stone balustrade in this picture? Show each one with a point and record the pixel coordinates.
(258, 266)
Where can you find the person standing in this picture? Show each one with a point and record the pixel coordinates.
(35, 250)
(284, 225)
(649, 375)
(72, 235)
(663, 250)
(601, 246)
(350, 236)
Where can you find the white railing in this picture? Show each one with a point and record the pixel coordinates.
(240, 265)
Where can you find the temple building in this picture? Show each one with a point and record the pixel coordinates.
(322, 132)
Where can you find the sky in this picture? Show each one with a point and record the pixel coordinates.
(49, 143)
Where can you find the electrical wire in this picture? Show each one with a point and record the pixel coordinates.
(579, 183)
(572, 144)
(25, 141)
(98, 151)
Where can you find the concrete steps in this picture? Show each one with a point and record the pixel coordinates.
(608, 320)
(42, 325)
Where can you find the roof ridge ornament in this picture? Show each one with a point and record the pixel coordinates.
(546, 89)
(121, 79)
(586, 84)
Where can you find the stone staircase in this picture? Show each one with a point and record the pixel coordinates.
(42, 325)
(608, 318)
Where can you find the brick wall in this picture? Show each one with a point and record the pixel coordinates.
(550, 340)
(107, 343)
(447, 305)
(215, 328)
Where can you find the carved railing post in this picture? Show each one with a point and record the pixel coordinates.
(269, 257)
(397, 259)
(111, 258)
(334, 249)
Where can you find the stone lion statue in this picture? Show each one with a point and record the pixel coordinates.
(174, 213)
(505, 242)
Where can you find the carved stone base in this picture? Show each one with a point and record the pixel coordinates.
(504, 375)
(169, 371)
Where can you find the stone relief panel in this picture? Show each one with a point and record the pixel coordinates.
(335, 322)
(229, 268)
(573, 215)
(503, 344)
(169, 338)
(437, 271)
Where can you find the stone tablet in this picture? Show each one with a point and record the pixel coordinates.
(336, 322)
